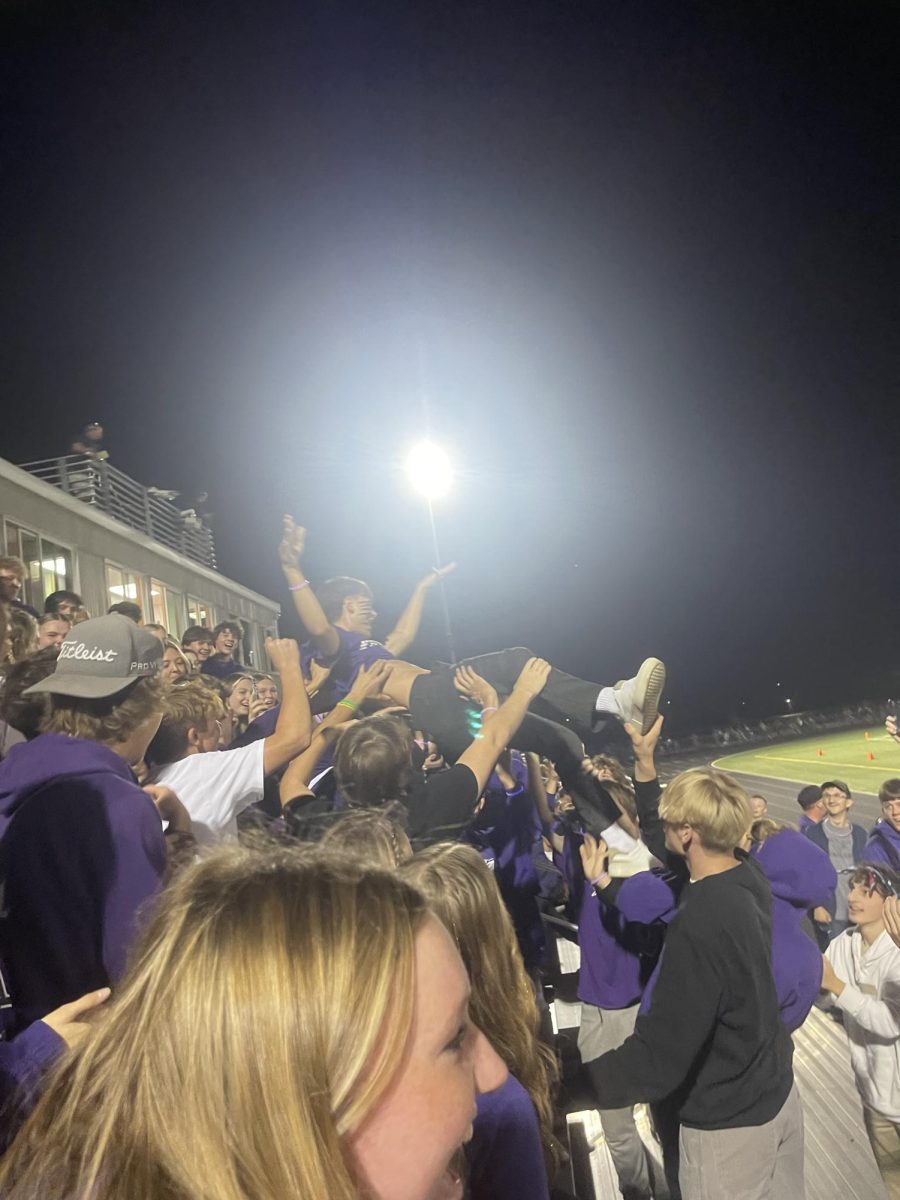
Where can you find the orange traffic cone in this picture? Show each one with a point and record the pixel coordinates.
(870, 756)
(821, 753)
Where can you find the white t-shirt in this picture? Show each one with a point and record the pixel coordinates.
(215, 787)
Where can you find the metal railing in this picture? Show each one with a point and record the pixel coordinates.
(111, 491)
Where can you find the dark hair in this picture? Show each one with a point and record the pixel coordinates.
(889, 790)
(196, 633)
(840, 785)
(127, 608)
(26, 713)
(231, 627)
(53, 601)
(885, 881)
(373, 761)
(809, 796)
(333, 592)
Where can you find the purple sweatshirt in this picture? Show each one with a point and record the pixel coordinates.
(883, 846)
(617, 953)
(22, 1064)
(81, 849)
(801, 877)
(504, 833)
(505, 1156)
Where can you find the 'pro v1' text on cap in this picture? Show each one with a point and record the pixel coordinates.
(102, 657)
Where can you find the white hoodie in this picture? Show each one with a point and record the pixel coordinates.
(871, 1006)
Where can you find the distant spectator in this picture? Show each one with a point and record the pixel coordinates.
(159, 631)
(63, 603)
(81, 844)
(198, 641)
(23, 634)
(12, 576)
(266, 692)
(226, 642)
(759, 804)
(90, 441)
(810, 800)
(890, 724)
(883, 845)
(174, 665)
(844, 843)
(52, 628)
(128, 608)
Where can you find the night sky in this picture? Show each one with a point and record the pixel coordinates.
(634, 264)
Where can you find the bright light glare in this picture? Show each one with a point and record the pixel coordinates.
(429, 470)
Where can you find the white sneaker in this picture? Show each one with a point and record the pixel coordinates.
(638, 697)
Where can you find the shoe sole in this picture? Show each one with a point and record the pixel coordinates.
(648, 688)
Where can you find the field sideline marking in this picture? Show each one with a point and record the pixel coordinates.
(833, 761)
(722, 765)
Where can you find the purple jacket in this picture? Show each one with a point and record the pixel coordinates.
(505, 1156)
(883, 846)
(81, 850)
(801, 877)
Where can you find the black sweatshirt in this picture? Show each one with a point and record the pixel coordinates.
(713, 1033)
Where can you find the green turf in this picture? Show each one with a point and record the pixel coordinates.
(844, 756)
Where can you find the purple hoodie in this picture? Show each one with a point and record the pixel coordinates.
(81, 849)
(801, 877)
(883, 846)
(618, 954)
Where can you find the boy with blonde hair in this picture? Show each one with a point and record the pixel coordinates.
(712, 1038)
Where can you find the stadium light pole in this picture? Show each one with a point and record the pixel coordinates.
(430, 473)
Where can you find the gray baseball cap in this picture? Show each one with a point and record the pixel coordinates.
(101, 657)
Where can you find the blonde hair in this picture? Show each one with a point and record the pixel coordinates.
(262, 1020)
(462, 891)
(191, 704)
(374, 835)
(712, 803)
(112, 719)
(765, 827)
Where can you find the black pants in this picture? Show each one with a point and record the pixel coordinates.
(438, 709)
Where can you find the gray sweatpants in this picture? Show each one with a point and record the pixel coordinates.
(605, 1029)
(756, 1162)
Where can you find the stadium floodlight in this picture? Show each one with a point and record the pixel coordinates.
(429, 470)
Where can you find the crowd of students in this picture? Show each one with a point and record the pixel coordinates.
(281, 935)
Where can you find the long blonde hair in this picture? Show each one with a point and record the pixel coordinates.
(263, 1018)
(461, 890)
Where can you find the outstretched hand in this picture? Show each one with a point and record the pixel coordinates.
(292, 544)
(471, 685)
(370, 680)
(644, 744)
(435, 574)
(594, 856)
(533, 677)
(891, 915)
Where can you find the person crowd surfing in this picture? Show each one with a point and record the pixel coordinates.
(279, 933)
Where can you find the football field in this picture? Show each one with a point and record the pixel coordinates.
(863, 759)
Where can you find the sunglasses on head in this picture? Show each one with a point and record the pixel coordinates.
(871, 879)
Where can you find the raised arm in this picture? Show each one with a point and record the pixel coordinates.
(290, 553)
(369, 682)
(293, 729)
(498, 726)
(406, 630)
